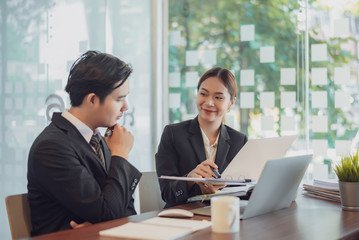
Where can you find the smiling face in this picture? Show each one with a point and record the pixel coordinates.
(112, 108)
(213, 100)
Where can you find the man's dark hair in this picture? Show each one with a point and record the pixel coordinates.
(95, 72)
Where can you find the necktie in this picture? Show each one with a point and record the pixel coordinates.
(96, 144)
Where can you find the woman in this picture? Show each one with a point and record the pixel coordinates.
(193, 147)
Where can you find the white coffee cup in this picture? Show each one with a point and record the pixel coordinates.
(225, 214)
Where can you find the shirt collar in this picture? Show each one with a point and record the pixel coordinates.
(84, 130)
(206, 140)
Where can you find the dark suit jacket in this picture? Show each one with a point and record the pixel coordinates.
(66, 180)
(181, 149)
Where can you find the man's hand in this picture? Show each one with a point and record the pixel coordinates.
(75, 225)
(120, 142)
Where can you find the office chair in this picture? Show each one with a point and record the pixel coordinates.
(18, 211)
(149, 193)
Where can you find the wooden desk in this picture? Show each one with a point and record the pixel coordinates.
(307, 218)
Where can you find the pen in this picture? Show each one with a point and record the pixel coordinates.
(216, 173)
(109, 132)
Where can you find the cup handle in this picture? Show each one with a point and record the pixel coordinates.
(234, 214)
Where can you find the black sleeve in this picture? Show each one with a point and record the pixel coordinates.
(58, 169)
(167, 157)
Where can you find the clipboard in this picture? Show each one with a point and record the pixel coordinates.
(213, 181)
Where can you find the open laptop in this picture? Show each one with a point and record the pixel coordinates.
(276, 187)
(250, 160)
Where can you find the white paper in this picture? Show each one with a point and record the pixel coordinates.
(319, 99)
(267, 99)
(319, 52)
(174, 100)
(174, 80)
(192, 79)
(267, 54)
(342, 147)
(195, 225)
(247, 77)
(139, 230)
(341, 27)
(267, 123)
(287, 76)
(246, 100)
(288, 99)
(175, 38)
(341, 75)
(192, 58)
(210, 57)
(342, 99)
(213, 181)
(319, 76)
(287, 123)
(320, 147)
(247, 32)
(320, 124)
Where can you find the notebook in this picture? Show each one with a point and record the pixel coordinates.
(276, 187)
(250, 160)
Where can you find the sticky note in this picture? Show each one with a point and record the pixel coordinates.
(191, 79)
(174, 80)
(319, 99)
(319, 76)
(287, 123)
(210, 57)
(247, 77)
(320, 171)
(174, 100)
(288, 99)
(175, 38)
(341, 27)
(8, 87)
(246, 100)
(320, 147)
(287, 76)
(342, 147)
(192, 58)
(267, 99)
(19, 103)
(266, 54)
(342, 99)
(267, 123)
(320, 124)
(319, 52)
(341, 75)
(8, 103)
(247, 32)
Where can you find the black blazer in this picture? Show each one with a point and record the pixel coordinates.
(181, 149)
(66, 180)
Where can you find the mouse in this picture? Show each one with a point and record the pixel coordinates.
(176, 212)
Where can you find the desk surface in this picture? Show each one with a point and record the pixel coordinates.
(307, 218)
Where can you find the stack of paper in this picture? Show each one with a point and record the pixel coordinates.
(325, 189)
(227, 191)
(156, 228)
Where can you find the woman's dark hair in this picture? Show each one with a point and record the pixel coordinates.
(225, 76)
(95, 72)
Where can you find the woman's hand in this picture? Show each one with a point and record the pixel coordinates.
(203, 170)
(208, 188)
(75, 225)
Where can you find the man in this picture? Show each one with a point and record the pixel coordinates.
(75, 175)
